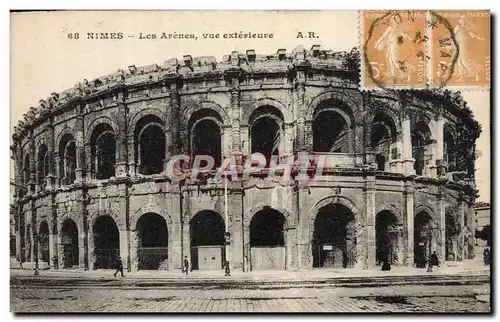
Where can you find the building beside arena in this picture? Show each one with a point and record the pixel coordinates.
(91, 181)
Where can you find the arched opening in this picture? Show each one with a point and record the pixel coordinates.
(69, 241)
(452, 230)
(26, 169)
(382, 138)
(106, 242)
(423, 234)
(42, 165)
(449, 151)
(420, 141)
(205, 128)
(334, 237)
(386, 237)
(152, 250)
(331, 124)
(267, 240)
(43, 242)
(266, 131)
(149, 145)
(207, 241)
(67, 162)
(103, 151)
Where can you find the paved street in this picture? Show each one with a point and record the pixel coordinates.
(212, 298)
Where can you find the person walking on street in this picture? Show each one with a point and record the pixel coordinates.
(486, 256)
(186, 265)
(119, 267)
(434, 259)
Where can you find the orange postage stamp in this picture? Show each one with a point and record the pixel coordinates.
(394, 49)
(459, 48)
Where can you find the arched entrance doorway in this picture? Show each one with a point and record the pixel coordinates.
(152, 251)
(423, 226)
(334, 238)
(207, 241)
(386, 237)
(43, 235)
(267, 240)
(106, 242)
(69, 241)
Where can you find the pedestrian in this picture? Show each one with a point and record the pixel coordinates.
(119, 267)
(434, 259)
(20, 262)
(186, 264)
(386, 266)
(486, 256)
(227, 269)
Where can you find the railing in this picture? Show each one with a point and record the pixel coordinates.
(151, 257)
(106, 258)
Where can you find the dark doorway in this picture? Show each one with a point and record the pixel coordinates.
(205, 135)
(69, 241)
(266, 228)
(207, 140)
(149, 145)
(207, 241)
(420, 139)
(267, 240)
(330, 133)
(67, 163)
(103, 151)
(422, 238)
(386, 230)
(44, 242)
(265, 137)
(334, 238)
(152, 252)
(106, 242)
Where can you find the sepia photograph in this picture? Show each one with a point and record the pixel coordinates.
(253, 161)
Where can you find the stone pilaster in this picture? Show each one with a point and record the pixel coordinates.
(408, 160)
(304, 254)
(369, 242)
(441, 236)
(185, 233)
(32, 182)
(175, 255)
(300, 92)
(235, 115)
(235, 209)
(122, 139)
(175, 118)
(408, 195)
(82, 151)
(461, 220)
(134, 245)
(124, 226)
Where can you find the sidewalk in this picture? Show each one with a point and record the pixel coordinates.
(468, 267)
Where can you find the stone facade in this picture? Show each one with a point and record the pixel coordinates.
(62, 169)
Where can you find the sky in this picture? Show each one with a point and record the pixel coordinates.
(48, 59)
